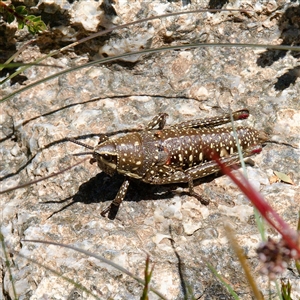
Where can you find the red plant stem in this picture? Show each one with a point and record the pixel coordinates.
(288, 234)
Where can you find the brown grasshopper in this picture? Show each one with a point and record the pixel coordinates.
(180, 153)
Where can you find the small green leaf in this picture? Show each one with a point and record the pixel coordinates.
(41, 26)
(284, 177)
(36, 19)
(297, 263)
(10, 17)
(30, 18)
(286, 290)
(21, 10)
(20, 24)
(35, 24)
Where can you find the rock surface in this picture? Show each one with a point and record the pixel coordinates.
(180, 235)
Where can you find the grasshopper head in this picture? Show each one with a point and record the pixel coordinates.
(106, 156)
(121, 154)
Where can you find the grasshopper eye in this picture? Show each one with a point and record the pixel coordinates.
(109, 158)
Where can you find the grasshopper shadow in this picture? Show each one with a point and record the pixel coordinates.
(103, 188)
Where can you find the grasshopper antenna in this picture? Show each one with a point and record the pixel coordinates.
(79, 143)
(83, 153)
(282, 143)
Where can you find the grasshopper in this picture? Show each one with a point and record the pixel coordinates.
(180, 153)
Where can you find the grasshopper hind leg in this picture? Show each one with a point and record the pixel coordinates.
(194, 194)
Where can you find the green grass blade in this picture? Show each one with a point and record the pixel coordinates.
(259, 220)
(7, 263)
(229, 288)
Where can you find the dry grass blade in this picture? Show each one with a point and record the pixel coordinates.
(114, 265)
(147, 51)
(42, 179)
(241, 257)
(58, 274)
(104, 32)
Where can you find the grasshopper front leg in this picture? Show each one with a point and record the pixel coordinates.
(159, 120)
(114, 205)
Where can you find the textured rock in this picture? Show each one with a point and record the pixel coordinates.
(102, 99)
